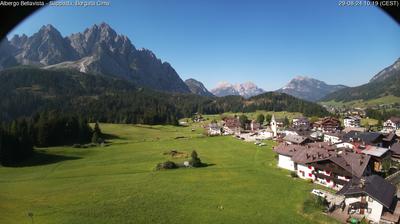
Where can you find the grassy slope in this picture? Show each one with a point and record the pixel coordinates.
(361, 103)
(117, 184)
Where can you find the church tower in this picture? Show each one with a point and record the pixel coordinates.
(273, 125)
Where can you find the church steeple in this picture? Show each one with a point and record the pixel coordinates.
(273, 125)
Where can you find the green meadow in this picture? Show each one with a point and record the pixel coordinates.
(118, 183)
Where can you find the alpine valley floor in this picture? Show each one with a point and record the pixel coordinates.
(118, 183)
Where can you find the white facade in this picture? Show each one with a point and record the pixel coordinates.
(374, 210)
(332, 139)
(274, 126)
(345, 145)
(389, 126)
(214, 131)
(305, 172)
(286, 162)
(265, 134)
(353, 122)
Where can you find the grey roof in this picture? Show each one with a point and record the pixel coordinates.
(375, 151)
(375, 186)
(395, 120)
(367, 137)
(353, 163)
(298, 139)
(395, 148)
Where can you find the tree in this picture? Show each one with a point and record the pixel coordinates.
(268, 118)
(243, 120)
(386, 164)
(97, 128)
(195, 160)
(380, 123)
(97, 135)
(260, 118)
(286, 122)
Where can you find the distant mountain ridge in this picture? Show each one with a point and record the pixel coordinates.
(97, 50)
(27, 90)
(384, 83)
(307, 88)
(389, 71)
(246, 90)
(197, 87)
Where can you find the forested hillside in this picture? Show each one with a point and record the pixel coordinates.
(26, 91)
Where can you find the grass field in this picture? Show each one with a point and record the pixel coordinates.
(118, 183)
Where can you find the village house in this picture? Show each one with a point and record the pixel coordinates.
(322, 163)
(253, 126)
(356, 112)
(296, 139)
(352, 121)
(378, 156)
(361, 139)
(358, 129)
(301, 123)
(265, 134)
(371, 197)
(395, 149)
(327, 124)
(231, 125)
(214, 129)
(391, 125)
(333, 137)
(197, 117)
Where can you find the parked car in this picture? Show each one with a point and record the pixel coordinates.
(318, 193)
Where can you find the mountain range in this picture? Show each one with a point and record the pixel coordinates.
(384, 83)
(247, 89)
(308, 88)
(196, 87)
(96, 50)
(100, 50)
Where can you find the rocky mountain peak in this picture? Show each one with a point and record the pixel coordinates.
(307, 88)
(197, 87)
(389, 71)
(247, 89)
(99, 49)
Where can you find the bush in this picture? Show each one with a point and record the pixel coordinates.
(166, 165)
(76, 146)
(195, 161)
(293, 174)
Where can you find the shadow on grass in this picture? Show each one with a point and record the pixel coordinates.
(207, 165)
(110, 136)
(40, 158)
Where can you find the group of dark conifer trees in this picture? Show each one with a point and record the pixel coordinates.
(17, 138)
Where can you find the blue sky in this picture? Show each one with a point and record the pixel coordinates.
(267, 42)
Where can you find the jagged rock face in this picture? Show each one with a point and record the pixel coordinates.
(45, 47)
(98, 50)
(197, 87)
(246, 90)
(308, 88)
(6, 57)
(388, 72)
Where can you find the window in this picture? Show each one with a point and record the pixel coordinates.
(370, 199)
